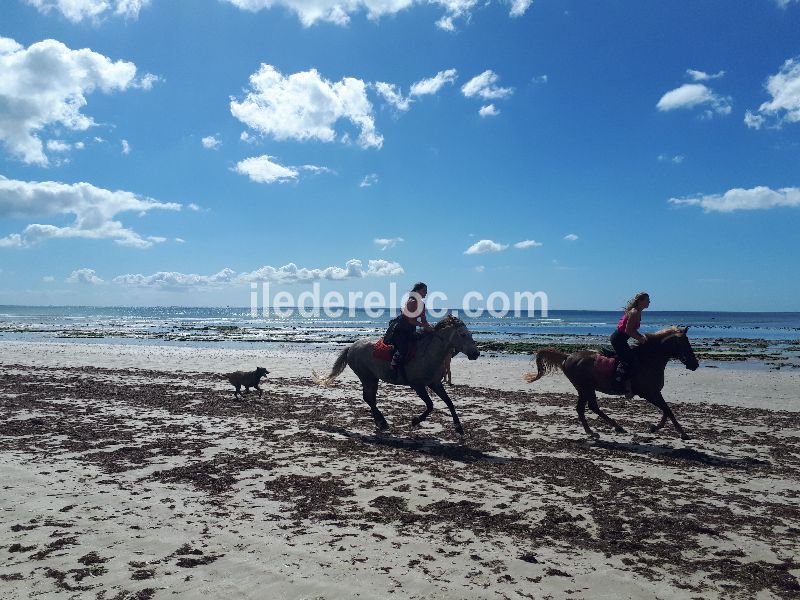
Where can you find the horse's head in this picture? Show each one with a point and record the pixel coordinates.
(457, 335)
(678, 346)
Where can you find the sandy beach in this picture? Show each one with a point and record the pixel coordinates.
(129, 471)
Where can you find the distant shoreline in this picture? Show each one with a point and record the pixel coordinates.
(361, 308)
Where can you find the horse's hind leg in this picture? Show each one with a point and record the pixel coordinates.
(595, 407)
(423, 393)
(666, 411)
(583, 398)
(370, 390)
(439, 390)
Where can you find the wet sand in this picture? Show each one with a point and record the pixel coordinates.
(133, 473)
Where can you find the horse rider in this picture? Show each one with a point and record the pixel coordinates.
(411, 316)
(627, 328)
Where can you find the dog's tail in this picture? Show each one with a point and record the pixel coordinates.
(547, 361)
(338, 367)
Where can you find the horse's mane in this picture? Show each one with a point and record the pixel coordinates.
(658, 336)
(447, 322)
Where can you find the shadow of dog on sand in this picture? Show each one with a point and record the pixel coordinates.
(246, 379)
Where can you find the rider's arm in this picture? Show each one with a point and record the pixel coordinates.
(632, 328)
(421, 320)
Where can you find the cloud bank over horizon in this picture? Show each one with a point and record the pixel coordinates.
(95, 211)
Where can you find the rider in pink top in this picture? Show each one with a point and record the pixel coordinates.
(628, 327)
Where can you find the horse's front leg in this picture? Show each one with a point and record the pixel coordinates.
(439, 390)
(422, 393)
(666, 413)
(655, 427)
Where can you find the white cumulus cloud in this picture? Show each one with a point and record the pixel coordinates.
(339, 11)
(527, 244)
(79, 10)
(385, 243)
(210, 142)
(484, 86)
(757, 198)
(784, 107)
(175, 280)
(432, 85)
(369, 180)
(46, 85)
(485, 246)
(570, 237)
(383, 268)
(58, 146)
(309, 12)
(691, 95)
(305, 106)
(261, 169)
(287, 274)
(392, 94)
(84, 276)
(490, 110)
(696, 75)
(518, 7)
(95, 211)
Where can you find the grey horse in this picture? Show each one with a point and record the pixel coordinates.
(423, 371)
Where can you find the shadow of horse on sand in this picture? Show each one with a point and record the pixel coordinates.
(423, 445)
(683, 454)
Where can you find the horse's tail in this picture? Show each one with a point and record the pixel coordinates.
(547, 361)
(338, 367)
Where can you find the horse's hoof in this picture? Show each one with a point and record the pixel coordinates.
(415, 421)
(594, 435)
(382, 426)
(459, 429)
(652, 429)
(619, 429)
(685, 436)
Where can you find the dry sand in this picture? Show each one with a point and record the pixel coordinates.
(130, 472)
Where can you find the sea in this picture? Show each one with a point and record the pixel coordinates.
(237, 327)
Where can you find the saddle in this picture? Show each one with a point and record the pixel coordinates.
(605, 368)
(383, 351)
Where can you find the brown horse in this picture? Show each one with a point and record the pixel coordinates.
(647, 380)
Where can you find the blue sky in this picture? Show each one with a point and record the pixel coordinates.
(174, 151)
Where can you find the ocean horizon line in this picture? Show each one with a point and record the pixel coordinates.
(458, 310)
